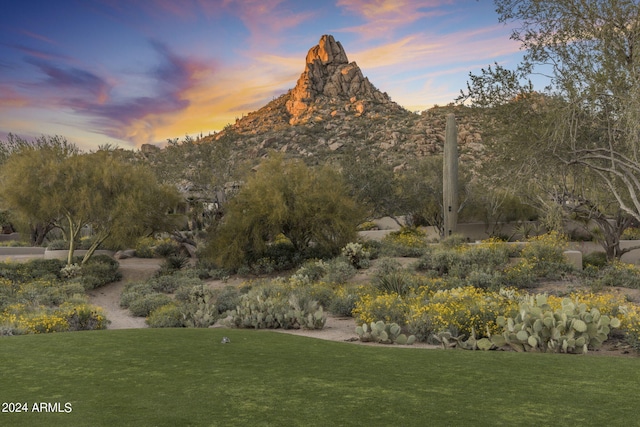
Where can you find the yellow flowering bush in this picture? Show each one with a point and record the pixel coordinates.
(405, 242)
(389, 307)
(460, 310)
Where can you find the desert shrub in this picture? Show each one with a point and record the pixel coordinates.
(310, 271)
(459, 311)
(387, 265)
(356, 255)
(166, 284)
(227, 298)
(339, 271)
(144, 247)
(632, 233)
(520, 275)
(454, 241)
(406, 242)
(617, 273)
(485, 280)
(595, 259)
(99, 271)
(166, 248)
(397, 282)
(166, 316)
(145, 304)
(545, 253)
(33, 269)
(172, 264)
(83, 317)
(133, 291)
(343, 301)
(374, 248)
(371, 307)
(319, 291)
(58, 245)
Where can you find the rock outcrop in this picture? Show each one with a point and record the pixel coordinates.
(334, 109)
(329, 74)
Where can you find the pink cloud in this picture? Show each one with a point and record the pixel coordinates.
(385, 16)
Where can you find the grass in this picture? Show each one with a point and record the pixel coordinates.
(183, 377)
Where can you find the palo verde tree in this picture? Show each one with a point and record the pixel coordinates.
(584, 127)
(24, 166)
(117, 199)
(308, 206)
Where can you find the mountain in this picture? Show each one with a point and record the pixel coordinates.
(335, 109)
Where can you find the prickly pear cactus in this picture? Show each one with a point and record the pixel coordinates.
(571, 329)
(384, 333)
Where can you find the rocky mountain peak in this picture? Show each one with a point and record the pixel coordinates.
(328, 75)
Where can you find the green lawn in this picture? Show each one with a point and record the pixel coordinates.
(181, 377)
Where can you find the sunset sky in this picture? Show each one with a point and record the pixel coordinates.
(129, 72)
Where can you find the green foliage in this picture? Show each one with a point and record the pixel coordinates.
(99, 271)
(572, 329)
(343, 301)
(339, 271)
(616, 273)
(383, 333)
(166, 249)
(310, 207)
(120, 200)
(145, 304)
(595, 259)
(269, 307)
(200, 311)
(173, 263)
(406, 242)
(144, 247)
(133, 291)
(166, 316)
(356, 255)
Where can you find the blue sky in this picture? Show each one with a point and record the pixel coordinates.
(129, 72)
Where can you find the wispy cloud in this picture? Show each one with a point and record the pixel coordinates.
(384, 17)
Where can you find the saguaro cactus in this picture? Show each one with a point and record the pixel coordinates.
(450, 177)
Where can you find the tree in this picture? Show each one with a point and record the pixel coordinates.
(309, 206)
(117, 199)
(200, 170)
(584, 127)
(24, 167)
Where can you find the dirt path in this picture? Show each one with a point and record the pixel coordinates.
(108, 297)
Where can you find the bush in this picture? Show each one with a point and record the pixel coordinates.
(356, 255)
(595, 259)
(133, 291)
(166, 248)
(343, 301)
(398, 282)
(387, 265)
(617, 273)
(99, 271)
(459, 311)
(173, 263)
(406, 242)
(144, 247)
(339, 271)
(311, 271)
(166, 316)
(84, 317)
(227, 299)
(390, 308)
(145, 304)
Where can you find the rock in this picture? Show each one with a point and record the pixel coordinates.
(329, 74)
(125, 254)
